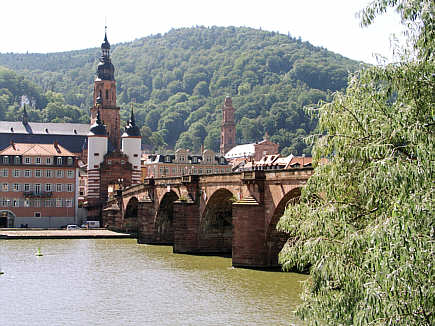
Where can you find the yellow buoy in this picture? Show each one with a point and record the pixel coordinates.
(38, 253)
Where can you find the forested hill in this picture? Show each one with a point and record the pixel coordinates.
(179, 81)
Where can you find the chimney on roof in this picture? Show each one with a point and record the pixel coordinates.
(202, 149)
(13, 144)
(56, 146)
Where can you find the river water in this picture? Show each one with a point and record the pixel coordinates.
(119, 282)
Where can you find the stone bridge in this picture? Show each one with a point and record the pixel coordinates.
(226, 214)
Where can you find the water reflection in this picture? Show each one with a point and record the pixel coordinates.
(118, 282)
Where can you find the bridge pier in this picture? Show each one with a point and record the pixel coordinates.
(186, 227)
(146, 226)
(249, 249)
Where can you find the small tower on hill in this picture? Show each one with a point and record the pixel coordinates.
(228, 131)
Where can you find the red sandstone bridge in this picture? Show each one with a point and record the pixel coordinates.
(231, 214)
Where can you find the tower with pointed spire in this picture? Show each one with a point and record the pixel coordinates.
(111, 159)
(131, 146)
(105, 95)
(228, 128)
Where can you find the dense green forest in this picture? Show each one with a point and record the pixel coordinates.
(178, 82)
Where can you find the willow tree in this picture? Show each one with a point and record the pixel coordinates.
(365, 224)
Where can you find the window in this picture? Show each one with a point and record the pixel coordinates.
(58, 202)
(26, 202)
(16, 187)
(59, 161)
(59, 187)
(48, 187)
(68, 202)
(135, 155)
(37, 203)
(4, 172)
(17, 160)
(48, 161)
(5, 187)
(37, 160)
(48, 203)
(69, 161)
(4, 202)
(174, 170)
(59, 173)
(122, 162)
(37, 214)
(182, 158)
(26, 187)
(37, 188)
(208, 171)
(49, 173)
(27, 160)
(167, 159)
(195, 160)
(109, 162)
(27, 173)
(5, 159)
(17, 173)
(69, 187)
(96, 154)
(200, 171)
(70, 174)
(37, 173)
(15, 202)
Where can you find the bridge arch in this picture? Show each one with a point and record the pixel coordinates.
(131, 215)
(275, 239)
(7, 218)
(216, 226)
(164, 218)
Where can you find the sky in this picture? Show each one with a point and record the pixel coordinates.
(58, 25)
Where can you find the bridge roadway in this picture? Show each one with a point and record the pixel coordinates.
(231, 214)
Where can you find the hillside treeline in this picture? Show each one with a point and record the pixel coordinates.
(178, 82)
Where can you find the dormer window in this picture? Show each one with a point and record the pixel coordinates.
(48, 161)
(5, 159)
(17, 160)
(168, 159)
(37, 160)
(59, 161)
(69, 161)
(194, 159)
(27, 160)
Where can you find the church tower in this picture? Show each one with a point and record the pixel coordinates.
(105, 97)
(228, 132)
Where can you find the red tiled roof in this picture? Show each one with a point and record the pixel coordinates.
(36, 150)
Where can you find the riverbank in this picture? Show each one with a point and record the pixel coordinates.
(13, 234)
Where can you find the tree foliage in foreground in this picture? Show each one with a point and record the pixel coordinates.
(365, 224)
